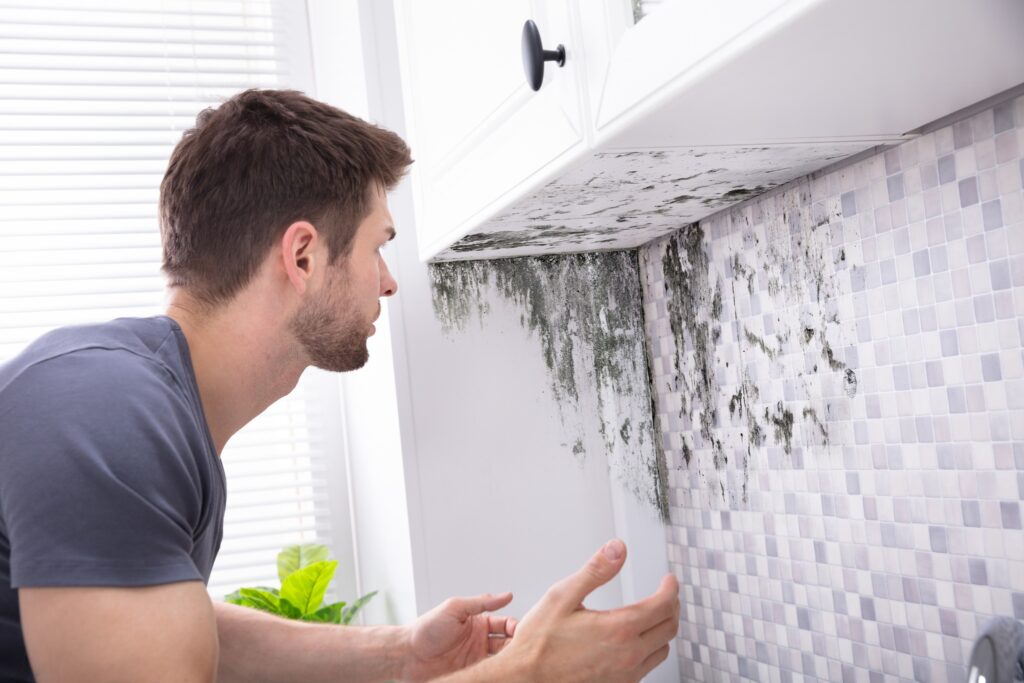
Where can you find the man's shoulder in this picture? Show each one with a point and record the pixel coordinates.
(108, 364)
(120, 346)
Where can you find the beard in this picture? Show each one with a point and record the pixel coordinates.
(332, 335)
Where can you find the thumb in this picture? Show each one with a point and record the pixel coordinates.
(599, 570)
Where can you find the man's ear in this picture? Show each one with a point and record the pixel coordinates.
(299, 254)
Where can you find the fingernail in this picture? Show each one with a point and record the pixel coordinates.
(613, 549)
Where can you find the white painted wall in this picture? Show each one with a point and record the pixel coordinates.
(463, 478)
(381, 552)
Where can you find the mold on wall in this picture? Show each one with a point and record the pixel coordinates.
(585, 312)
(838, 375)
(772, 262)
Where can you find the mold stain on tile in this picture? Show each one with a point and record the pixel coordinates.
(762, 368)
(694, 306)
(586, 312)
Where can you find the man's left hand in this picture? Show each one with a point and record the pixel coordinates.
(456, 634)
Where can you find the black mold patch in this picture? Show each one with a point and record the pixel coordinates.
(782, 420)
(850, 382)
(587, 312)
(691, 317)
(754, 340)
(812, 415)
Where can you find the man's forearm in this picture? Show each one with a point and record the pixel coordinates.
(261, 648)
(502, 668)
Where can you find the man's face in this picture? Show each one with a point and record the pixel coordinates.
(334, 327)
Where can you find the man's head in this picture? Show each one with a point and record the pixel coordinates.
(257, 164)
(277, 174)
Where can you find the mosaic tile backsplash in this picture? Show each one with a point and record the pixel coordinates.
(838, 370)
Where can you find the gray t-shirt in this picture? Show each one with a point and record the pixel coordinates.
(108, 474)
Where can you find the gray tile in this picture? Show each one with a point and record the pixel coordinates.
(947, 169)
(947, 620)
(892, 161)
(937, 536)
(962, 135)
(976, 249)
(867, 609)
(922, 264)
(1010, 511)
(992, 214)
(887, 271)
(955, 397)
(968, 191)
(933, 369)
(928, 591)
(948, 342)
(929, 176)
(984, 311)
(895, 186)
(1000, 274)
(990, 367)
(922, 670)
(939, 258)
(849, 204)
(978, 571)
(901, 377)
(971, 512)
(1018, 605)
(911, 321)
(1003, 116)
(929, 322)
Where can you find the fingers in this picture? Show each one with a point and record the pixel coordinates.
(661, 605)
(501, 626)
(500, 631)
(660, 635)
(601, 568)
(463, 608)
(655, 658)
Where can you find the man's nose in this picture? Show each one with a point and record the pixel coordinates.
(388, 284)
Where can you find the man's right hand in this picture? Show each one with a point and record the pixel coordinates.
(560, 640)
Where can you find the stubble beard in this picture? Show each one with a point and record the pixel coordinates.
(332, 335)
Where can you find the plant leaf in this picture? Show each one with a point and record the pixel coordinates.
(349, 613)
(331, 614)
(295, 557)
(305, 588)
(234, 598)
(260, 599)
(289, 610)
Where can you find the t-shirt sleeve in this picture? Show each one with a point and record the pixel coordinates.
(98, 485)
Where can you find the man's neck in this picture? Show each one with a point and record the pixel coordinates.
(241, 361)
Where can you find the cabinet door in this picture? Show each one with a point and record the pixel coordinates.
(479, 134)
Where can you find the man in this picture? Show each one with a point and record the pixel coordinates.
(273, 214)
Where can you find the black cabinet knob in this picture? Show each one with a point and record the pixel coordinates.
(534, 55)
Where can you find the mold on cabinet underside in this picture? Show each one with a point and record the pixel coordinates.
(623, 199)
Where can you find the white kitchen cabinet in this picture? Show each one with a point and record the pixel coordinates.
(655, 123)
(476, 128)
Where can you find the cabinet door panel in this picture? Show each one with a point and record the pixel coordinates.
(478, 132)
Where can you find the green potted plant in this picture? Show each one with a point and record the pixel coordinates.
(305, 572)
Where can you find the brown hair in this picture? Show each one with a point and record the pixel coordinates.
(253, 166)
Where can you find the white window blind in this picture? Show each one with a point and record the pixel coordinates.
(93, 97)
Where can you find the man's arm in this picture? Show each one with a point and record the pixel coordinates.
(257, 648)
(160, 633)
